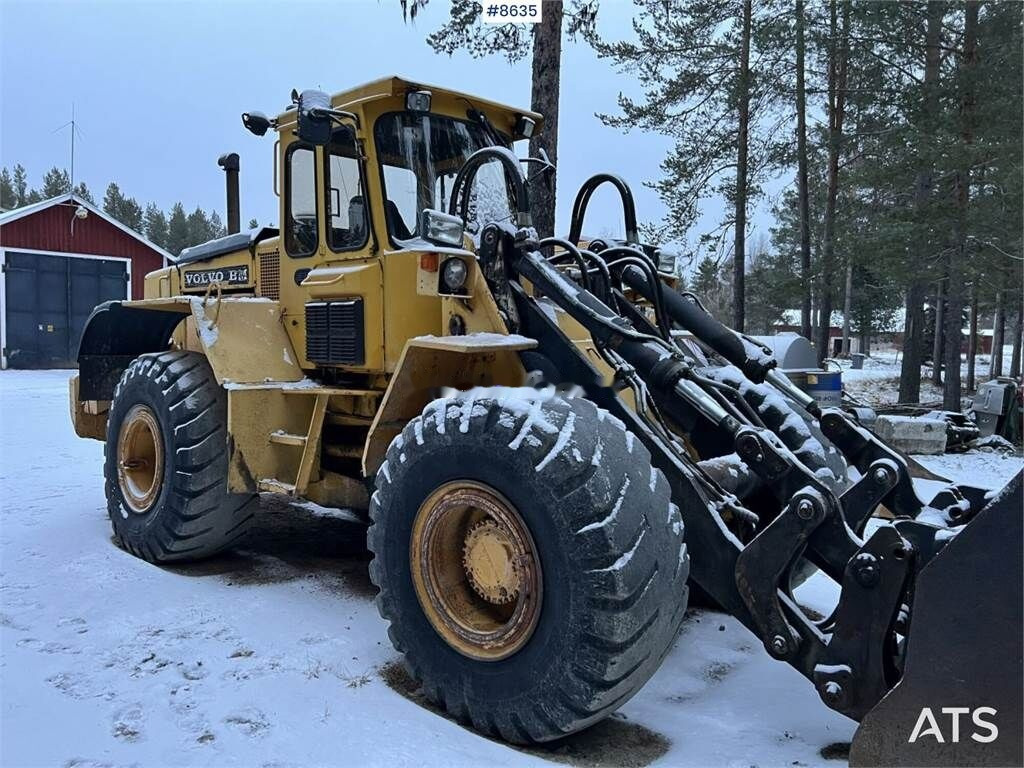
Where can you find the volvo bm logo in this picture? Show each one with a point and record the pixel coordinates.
(226, 275)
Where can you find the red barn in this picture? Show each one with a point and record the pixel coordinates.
(60, 258)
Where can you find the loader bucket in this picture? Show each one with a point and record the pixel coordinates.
(964, 652)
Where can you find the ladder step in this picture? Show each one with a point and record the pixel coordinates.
(344, 451)
(272, 485)
(332, 391)
(286, 438)
(349, 420)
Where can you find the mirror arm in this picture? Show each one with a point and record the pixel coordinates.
(336, 114)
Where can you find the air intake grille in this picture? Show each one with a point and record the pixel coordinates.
(270, 275)
(334, 332)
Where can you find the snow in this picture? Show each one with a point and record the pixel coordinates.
(877, 383)
(980, 468)
(483, 339)
(275, 654)
(304, 383)
(420, 244)
(206, 327)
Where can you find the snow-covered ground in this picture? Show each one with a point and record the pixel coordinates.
(877, 383)
(275, 655)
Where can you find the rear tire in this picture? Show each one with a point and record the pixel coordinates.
(166, 461)
(612, 565)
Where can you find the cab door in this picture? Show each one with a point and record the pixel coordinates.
(331, 281)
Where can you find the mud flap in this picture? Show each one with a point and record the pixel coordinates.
(964, 652)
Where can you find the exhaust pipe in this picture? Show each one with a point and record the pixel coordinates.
(229, 163)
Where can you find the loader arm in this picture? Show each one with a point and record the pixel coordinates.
(853, 657)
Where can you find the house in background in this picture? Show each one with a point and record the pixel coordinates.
(60, 258)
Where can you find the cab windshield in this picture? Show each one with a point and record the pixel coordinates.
(419, 156)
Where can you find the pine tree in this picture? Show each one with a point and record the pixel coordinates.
(20, 182)
(216, 228)
(125, 209)
(711, 75)
(8, 197)
(55, 183)
(155, 225)
(82, 191)
(178, 234)
(113, 201)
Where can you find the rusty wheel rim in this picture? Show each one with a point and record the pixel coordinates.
(140, 459)
(475, 570)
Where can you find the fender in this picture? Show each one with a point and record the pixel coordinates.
(429, 363)
(114, 335)
(118, 332)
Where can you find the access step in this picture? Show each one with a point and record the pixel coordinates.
(272, 485)
(280, 437)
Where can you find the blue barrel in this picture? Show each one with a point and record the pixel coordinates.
(825, 387)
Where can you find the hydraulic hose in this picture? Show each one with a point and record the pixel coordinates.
(706, 328)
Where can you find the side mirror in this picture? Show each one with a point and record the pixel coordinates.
(441, 228)
(314, 115)
(256, 122)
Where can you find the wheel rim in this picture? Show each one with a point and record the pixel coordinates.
(140, 459)
(475, 570)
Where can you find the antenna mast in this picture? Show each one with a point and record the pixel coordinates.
(74, 130)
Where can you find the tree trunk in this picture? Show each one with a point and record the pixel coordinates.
(739, 256)
(847, 305)
(940, 324)
(998, 329)
(837, 71)
(803, 193)
(913, 332)
(913, 343)
(1018, 332)
(547, 62)
(972, 341)
(952, 341)
(957, 258)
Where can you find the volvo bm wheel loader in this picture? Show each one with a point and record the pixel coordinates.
(552, 444)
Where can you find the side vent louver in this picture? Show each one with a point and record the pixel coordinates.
(334, 332)
(270, 275)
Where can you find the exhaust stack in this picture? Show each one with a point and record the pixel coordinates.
(229, 163)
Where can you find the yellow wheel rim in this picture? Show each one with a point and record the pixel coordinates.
(140, 459)
(475, 570)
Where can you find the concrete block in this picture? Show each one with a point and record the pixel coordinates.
(912, 434)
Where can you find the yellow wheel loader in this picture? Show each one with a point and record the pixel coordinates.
(552, 444)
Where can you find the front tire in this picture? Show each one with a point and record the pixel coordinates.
(166, 461)
(572, 551)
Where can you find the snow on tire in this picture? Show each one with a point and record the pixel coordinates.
(612, 566)
(166, 461)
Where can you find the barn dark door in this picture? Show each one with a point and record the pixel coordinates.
(48, 300)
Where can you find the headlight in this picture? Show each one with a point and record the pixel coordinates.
(453, 274)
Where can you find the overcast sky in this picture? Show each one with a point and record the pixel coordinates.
(159, 87)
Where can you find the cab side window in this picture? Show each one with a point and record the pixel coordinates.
(346, 200)
(301, 238)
